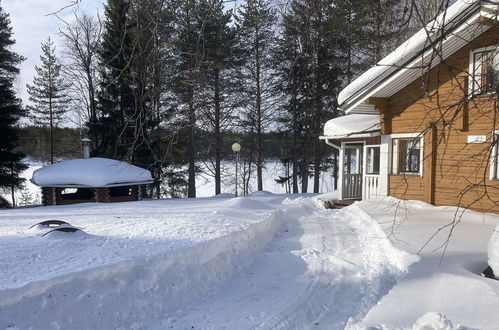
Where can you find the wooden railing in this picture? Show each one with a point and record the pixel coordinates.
(371, 186)
(352, 186)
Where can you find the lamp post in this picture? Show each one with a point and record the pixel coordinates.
(236, 147)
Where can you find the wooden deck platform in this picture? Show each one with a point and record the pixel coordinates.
(336, 205)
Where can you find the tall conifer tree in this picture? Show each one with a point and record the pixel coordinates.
(48, 93)
(187, 78)
(256, 25)
(11, 164)
(116, 100)
(219, 80)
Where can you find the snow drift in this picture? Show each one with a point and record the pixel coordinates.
(493, 252)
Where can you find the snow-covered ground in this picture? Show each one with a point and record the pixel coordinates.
(266, 261)
(259, 262)
(449, 284)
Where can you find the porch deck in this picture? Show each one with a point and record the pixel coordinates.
(337, 205)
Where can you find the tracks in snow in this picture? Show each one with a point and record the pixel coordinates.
(318, 272)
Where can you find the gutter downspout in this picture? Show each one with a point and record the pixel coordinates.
(332, 144)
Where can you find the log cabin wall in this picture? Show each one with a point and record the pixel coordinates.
(436, 105)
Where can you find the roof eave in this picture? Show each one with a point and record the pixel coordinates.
(363, 94)
(71, 185)
(352, 135)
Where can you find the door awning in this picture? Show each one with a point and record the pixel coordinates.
(352, 126)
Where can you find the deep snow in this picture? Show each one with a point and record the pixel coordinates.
(265, 261)
(448, 283)
(260, 262)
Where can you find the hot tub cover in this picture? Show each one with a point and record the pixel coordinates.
(355, 125)
(91, 172)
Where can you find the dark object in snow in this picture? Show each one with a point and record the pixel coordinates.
(63, 229)
(4, 204)
(336, 205)
(489, 273)
(50, 223)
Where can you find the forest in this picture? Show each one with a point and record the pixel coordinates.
(166, 84)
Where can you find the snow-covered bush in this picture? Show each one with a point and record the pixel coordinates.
(494, 252)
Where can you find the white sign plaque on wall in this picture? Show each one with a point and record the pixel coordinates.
(477, 138)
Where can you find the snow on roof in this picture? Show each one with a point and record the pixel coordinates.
(409, 53)
(91, 172)
(355, 125)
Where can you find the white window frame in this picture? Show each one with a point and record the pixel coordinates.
(494, 159)
(366, 164)
(392, 169)
(472, 91)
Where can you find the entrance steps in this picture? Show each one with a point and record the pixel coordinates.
(337, 205)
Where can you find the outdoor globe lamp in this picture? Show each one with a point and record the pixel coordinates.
(236, 147)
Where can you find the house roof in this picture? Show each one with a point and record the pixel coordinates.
(352, 126)
(91, 172)
(449, 32)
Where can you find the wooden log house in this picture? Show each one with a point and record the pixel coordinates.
(423, 124)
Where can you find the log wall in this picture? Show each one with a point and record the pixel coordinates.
(436, 105)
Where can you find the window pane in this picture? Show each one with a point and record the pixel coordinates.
(486, 72)
(351, 161)
(410, 155)
(492, 72)
(395, 156)
(373, 154)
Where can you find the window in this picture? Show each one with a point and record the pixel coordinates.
(123, 191)
(77, 194)
(485, 71)
(495, 156)
(353, 159)
(406, 156)
(373, 158)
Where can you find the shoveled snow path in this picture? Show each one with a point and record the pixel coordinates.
(323, 268)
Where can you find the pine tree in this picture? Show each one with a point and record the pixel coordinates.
(11, 164)
(309, 73)
(115, 121)
(218, 41)
(187, 78)
(48, 93)
(256, 22)
(151, 67)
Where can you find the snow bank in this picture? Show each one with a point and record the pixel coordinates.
(493, 252)
(91, 172)
(447, 283)
(139, 261)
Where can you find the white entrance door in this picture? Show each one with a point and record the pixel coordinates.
(372, 186)
(352, 171)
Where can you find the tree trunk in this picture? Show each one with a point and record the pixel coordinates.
(12, 186)
(318, 60)
(51, 115)
(259, 146)
(191, 187)
(217, 133)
